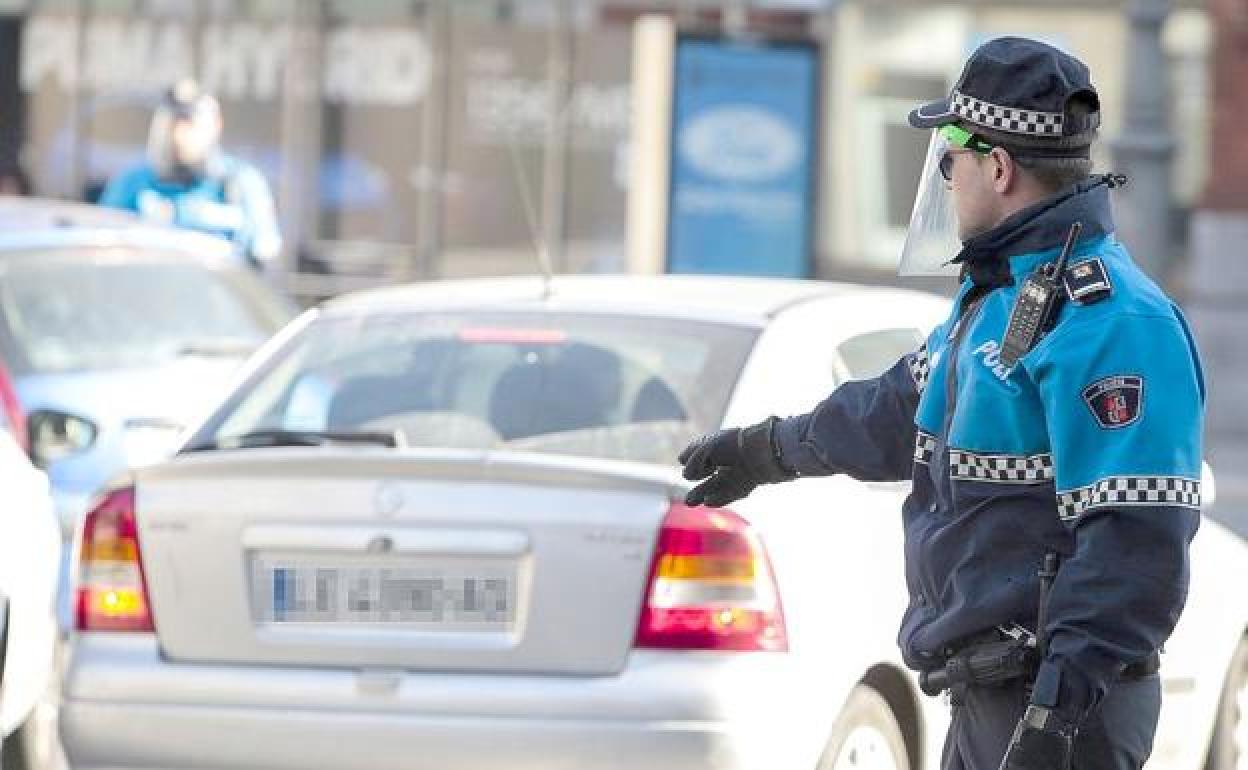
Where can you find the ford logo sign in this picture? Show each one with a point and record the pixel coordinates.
(740, 143)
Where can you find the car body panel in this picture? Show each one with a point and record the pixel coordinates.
(1198, 654)
(802, 341)
(710, 298)
(139, 414)
(209, 519)
(664, 710)
(30, 551)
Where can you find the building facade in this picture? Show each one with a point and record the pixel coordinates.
(414, 140)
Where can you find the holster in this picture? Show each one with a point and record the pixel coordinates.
(998, 661)
(983, 664)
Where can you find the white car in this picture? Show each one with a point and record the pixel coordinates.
(441, 527)
(30, 553)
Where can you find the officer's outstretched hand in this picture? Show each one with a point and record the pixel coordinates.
(1042, 741)
(733, 462)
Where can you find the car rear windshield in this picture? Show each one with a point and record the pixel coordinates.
(615, 387)
(125, 309)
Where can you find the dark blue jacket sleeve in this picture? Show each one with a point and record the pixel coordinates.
(864, 429)
(1123, 401)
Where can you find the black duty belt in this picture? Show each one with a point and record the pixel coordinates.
(1142, 669)
(996, 656)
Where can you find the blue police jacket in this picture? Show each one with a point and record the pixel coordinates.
(233, 201)
(1089, 446)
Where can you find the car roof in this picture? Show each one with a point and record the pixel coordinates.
(729, 299)
(41, 223)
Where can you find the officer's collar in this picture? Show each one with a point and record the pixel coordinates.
(1031, 235)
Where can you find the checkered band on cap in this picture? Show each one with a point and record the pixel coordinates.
(920, 367)
(1010, 469)
(1010, 119)
(924, 447)
(1129, 490)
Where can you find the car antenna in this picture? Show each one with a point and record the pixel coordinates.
(540, 249)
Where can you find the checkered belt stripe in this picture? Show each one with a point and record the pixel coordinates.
(1129, 490)
(1015, 469)
(1009, 119)
(920, 366)
(924, 447)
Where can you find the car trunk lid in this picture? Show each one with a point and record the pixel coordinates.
(431, 559)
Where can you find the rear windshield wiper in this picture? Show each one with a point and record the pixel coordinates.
(280, 438)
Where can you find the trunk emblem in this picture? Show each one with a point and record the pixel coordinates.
(388, 499)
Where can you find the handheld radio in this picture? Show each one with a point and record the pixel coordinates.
(1038, 301)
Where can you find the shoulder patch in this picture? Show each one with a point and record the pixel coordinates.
(1115, 401)
(1087, 282)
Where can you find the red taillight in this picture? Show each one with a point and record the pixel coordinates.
(711, 586)
(13, 410)
(112, 594)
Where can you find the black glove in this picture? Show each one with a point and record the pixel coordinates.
(1043, 740)
(735, 460)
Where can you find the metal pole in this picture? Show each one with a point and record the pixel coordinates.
(1144, 150)
(80, 126)
(300, 133)
(434, 116)
(556, 151)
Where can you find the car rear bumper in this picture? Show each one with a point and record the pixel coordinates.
(125, 707)
(149, 736)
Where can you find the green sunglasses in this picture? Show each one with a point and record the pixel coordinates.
(960, 137)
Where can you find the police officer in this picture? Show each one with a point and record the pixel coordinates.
(189, 182)
(1057, 411)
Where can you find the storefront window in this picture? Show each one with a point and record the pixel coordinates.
(499, 111)
(599, 118)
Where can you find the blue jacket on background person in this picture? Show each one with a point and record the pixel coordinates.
(234, 203)
(187, 181)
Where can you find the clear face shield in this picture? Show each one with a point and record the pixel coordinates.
(932, 240)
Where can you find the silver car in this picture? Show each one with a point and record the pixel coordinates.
(117, 334)
(441, 527)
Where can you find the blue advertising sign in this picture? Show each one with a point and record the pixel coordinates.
(744, 122)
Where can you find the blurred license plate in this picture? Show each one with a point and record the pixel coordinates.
(438, 597)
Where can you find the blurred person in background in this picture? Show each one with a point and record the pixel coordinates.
(1036, 458)
(188, 181)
